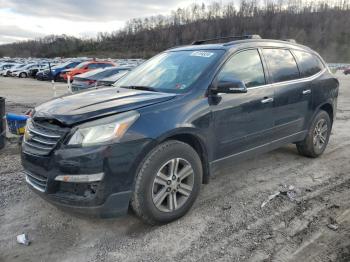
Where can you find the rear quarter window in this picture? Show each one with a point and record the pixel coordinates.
(282, 65)
(309, 64)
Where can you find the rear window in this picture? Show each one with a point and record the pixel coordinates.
(104, 73)
(308, 63)
(282, 65)
(94, 66)
(99, 65)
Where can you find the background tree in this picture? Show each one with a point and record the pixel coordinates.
(322, 25)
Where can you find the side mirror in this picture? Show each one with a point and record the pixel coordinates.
(229, 86)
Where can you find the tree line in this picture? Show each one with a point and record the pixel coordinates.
(322, 25)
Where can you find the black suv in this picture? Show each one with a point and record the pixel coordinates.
(150, 141)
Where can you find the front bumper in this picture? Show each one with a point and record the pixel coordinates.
(116, 204)
(106, 198)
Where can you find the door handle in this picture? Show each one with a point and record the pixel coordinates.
(307, 91)
(267, 100)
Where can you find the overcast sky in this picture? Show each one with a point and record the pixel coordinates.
(28, 19)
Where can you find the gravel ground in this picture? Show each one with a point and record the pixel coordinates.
(226, 223)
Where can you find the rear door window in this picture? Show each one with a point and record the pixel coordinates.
(245, 66)
(308, 63)
(281, 64)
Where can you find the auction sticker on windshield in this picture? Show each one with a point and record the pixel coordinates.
(202, 54)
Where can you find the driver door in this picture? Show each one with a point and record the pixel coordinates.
(243, 121)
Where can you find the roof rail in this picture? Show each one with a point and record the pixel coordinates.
(199, 42)
(290, 40)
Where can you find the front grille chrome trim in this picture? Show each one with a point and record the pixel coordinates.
(44, 142)
(35, 181)
(41, 138)
(39, 147)
(42, 134)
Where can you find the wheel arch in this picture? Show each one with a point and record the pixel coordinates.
(197, 143)
(329, 109)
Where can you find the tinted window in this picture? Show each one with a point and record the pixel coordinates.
(94, 66)
(282, 65)
(245, 66)
(104, 73)
(105, 65)
(309, 64)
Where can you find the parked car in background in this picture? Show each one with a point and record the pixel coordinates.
(90, 79)
(56, 70)
(35, 70)
(23, 72)
(172, 122)
(85, 67)
(346, 71)
(5, 66)
(109, 81)
(8, 72)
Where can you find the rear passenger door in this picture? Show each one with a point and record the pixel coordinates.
(292, 95)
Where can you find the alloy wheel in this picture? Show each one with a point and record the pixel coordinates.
(173, 185)
(320, 134)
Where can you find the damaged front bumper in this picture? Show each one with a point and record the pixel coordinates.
(96, 181)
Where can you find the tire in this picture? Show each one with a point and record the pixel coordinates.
(316, 140)
(22, 75)
(153, 178)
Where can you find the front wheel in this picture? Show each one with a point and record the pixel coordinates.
(317, 137)
(22, 75)
(167, 183)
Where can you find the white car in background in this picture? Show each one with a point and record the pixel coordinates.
(8, 71)
(5, 66)
(23, 72)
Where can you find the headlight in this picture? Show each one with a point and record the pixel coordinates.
(103, 130)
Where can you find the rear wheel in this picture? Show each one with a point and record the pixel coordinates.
(318, 135)
(168, 182)
(23, 75)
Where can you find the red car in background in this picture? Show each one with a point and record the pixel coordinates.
(85, 67)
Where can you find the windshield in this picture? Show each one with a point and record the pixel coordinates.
(17, 66)
(60, 65)
(170, 71)
(81, 65)
(28, 66)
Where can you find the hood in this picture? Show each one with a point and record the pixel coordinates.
(82, 107)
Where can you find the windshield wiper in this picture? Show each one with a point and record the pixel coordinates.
(145, 88)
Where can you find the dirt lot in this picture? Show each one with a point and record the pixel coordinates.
(226, 223)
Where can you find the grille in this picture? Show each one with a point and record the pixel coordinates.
(36, 181)
(42, 138)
